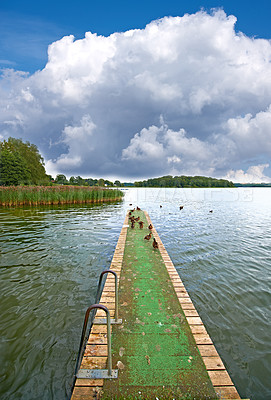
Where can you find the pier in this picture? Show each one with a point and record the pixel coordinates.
(160, 347)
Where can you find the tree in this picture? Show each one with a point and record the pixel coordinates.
(108, 183)
(61, 179)
(21, 163)
(80, 181)
(101, 182)
(72, 180)
(13, 170)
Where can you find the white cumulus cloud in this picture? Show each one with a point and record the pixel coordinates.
(254, 174)
(94, 110)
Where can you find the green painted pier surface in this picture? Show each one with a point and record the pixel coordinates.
(154, 348)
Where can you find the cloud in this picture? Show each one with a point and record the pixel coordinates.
(254, 174)
(158, 147)
(184, 95)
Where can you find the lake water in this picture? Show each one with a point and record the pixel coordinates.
(51, 258)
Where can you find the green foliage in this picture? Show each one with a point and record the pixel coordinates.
(21, 163)
(13, 169)
(184, 181)
(101, 182)
(61, 179)
(117, 183)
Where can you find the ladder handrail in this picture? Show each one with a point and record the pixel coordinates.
(116, 290)
(84, 338)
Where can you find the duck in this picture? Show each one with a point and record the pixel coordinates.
(155, 244)
(132, 224)
(147, 237)
(141, 224)
(161, 206)
(150, 227)
(210, 211)
(181, 207)
(138, 209)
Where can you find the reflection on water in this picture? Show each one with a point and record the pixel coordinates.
(51, 258)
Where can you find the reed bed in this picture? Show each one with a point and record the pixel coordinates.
(43, 195)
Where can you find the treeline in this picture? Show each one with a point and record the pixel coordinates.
(184, 182)
(79, 181)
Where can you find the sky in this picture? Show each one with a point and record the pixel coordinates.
(136, 89)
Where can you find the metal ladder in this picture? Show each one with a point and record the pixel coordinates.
(108, 373)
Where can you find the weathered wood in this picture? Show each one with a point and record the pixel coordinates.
(220, 378)
(89, 382)
(183, 295)
(98, 350)
(207, 350)
(198, 329)
(202, 339)
(188, 306)
(97, 338)
(102, 314)
(184, 300)
(194, 320)
(213, 363)
(85, 393)
(94, 363)
(227, 392)
(190, 313)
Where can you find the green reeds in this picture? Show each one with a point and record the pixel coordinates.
(34, 195)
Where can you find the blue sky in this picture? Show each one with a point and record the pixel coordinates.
(28, 27)
(187, 91)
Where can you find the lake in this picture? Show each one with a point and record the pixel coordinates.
(51, 258)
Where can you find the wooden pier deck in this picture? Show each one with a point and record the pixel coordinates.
(162, 349)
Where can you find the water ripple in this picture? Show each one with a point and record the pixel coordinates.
(51, 258)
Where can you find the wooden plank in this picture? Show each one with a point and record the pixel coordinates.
(183, 295)
(207, 350)
(194, 320)
(89, 382)
(94, 363)
(184, 300)
(220, 378)
(108, 298)
(198, 329)
(191, 313)
(202, 339)
(227, 392)
(98, 350)
(180, 289)
(99, 329)
(97, 338)
(85, 393)
(188, 306)
(102, 314)
(213, 363)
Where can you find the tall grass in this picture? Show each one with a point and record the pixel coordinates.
(34, 195)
